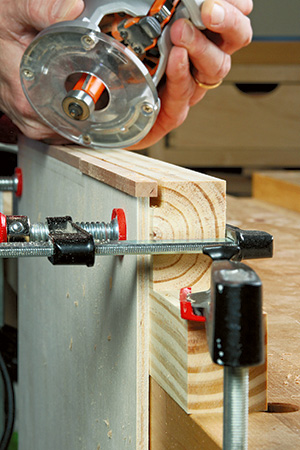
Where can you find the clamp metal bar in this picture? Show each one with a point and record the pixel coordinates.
(117, 248)
(20, 249)
(160, 247)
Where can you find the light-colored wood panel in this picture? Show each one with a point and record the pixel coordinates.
(125, 180)
(264, 73)
(172, 428)
(281, 188)
(247, 130)
(255, 121)
(83, 332)
(229, 156)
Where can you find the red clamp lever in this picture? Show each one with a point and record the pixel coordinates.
(19, 181)
(186, 307)
(119, 213)
(3, 228)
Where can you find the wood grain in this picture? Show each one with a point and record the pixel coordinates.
(181, 363)
(125, 180)
(280, 187)
(84, 359)
(187, 205)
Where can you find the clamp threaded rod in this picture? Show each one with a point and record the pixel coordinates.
(99, 230)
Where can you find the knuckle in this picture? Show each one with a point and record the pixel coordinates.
(249, 34)
(224, 68)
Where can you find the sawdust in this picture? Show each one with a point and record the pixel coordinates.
(109, 434)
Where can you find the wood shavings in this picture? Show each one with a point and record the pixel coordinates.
(76, 304)
(98, 447)
(109, 337)
(109, 434)
(106, 422)
(68, 294)
(71, 344)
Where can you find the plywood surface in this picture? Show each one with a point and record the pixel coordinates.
(281, 283)
(82, 331)
(279, 187)
(181, 363)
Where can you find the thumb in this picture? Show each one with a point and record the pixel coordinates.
(64, 10)
(40, 14)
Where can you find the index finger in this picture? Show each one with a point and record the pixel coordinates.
(225, 19)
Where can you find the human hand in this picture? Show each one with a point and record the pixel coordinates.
(21, 20)
(227, 30)
(209, 54)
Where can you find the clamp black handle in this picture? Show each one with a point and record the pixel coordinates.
(235, 335)
(252, 244)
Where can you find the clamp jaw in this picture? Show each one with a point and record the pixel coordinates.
(93, 80)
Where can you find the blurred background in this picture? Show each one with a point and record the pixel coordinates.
(252, 121)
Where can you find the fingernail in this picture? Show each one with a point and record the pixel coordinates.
(217, 14)
(187, 32)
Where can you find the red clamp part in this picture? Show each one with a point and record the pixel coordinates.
(3, 228)
(19, 176)
(119, 213)
(186, 309)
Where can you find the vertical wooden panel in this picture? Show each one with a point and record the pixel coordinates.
(83, 384)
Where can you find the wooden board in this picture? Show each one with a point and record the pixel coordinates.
(184, 205)
(172, 428)
(280, 187)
